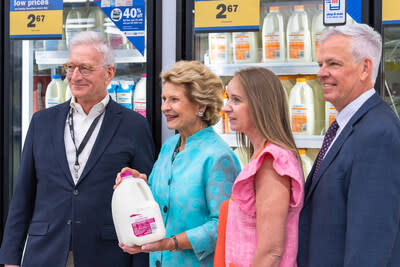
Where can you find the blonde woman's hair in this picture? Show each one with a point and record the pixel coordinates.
(201, 87)
(268, 107)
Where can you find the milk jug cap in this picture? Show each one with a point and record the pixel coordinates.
(57, 76)
(125, 174)
(302, 151)
(299, 7)
(274, 8)
(300, 80)
(144, 75)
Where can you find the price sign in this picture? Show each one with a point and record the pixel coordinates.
(334, 12)
(227, 15)
(390, 12)
(129, 17)
(35, 19)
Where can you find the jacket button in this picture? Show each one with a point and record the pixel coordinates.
(69, 222)
(76, 192)
(169, 181)
(158, 263)
(165, 209)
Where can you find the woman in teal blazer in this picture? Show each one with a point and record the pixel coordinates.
(195, 169)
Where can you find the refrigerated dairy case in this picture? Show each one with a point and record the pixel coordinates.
(44, 61)
(287, 43)
(37, 80)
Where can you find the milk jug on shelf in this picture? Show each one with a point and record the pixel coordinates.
(319, 103)
(287, 85)
(306, 162)
(273, 36)
(95, 21)
(219, 46)
(136, 215)
(301, 108)
(74, 23)
(317, 29)
(298, 36)
(55, 92)
(244, 47)
(68, 93)
(330, 114)
(125, 93)
(139, 97)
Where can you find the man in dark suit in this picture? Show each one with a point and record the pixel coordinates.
(61, 207)
(351, 213)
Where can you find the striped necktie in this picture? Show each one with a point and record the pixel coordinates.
(330, 135)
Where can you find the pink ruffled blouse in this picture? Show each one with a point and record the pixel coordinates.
(241, 236)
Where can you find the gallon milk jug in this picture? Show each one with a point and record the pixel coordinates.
(319, 103)
(136, 215)
(55, 92)
(330, 114)
(139, 97)
(298, 36)
(68, 93)
(219, 46)
(114, 36)
(95, 21)
(273, 36)
(244, 47)
(301, 108)
(287, 85)
(125, 93)
(317, 30)
(74, 23)
(306, 162)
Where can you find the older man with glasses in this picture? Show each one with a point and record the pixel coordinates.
(60, 214)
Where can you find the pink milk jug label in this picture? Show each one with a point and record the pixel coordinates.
(142, 225)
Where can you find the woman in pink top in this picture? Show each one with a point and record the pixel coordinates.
(267, 196)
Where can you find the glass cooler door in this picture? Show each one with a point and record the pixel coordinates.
(287, 43)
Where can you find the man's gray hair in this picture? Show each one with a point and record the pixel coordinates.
(96, 41)
(365, 42)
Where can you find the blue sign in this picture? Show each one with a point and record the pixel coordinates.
(129, 17)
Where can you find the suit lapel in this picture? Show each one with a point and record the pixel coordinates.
(58, 140)
(112, 118)
(312, 182)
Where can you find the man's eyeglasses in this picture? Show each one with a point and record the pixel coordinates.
(84, 69)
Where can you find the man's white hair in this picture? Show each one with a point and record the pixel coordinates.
(96, 41)
(365, 42)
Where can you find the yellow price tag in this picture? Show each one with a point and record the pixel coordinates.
(390, 10)
(227, 15)
(25, 24)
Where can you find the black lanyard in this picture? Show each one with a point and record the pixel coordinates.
(85, 139)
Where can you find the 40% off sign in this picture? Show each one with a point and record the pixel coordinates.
(227, 15)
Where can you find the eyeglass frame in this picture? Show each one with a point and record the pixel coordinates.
(90, 68)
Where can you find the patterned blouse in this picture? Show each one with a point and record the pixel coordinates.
(189, 190)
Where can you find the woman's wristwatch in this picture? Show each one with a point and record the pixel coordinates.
(176, 248)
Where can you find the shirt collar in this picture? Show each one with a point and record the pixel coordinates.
(348, 111)
(96, 109)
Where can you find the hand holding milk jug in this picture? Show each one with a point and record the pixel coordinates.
(136, 215)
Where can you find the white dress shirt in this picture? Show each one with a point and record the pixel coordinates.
(82, 124)
(344, 116)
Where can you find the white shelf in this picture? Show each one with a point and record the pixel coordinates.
(284, 68)
(61, 56)
(309, 141)
(302, 141)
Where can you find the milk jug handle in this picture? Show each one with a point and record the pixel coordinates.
(144, 188)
